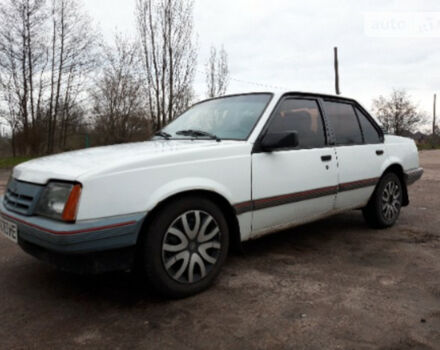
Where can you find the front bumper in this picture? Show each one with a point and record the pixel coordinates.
(85, 263)
(414, 175)
(95, 245)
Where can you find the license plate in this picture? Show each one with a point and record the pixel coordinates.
(9, 229)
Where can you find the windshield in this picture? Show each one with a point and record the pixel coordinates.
(231, 117)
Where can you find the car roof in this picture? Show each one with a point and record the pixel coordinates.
(280, 93)
(293, 92)
(317, 94)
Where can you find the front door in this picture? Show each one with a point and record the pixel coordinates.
(292, 186)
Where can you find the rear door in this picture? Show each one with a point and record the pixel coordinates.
(294, 185)
(359, 151)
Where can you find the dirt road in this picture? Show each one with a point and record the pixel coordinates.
(334, 284)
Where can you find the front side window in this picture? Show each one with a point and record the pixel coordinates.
(344, 122)
(232, 117)
(370, 133)
(302, 116)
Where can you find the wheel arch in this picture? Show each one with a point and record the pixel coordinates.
(220, 200)
(397, 169)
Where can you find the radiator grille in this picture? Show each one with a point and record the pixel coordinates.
(22, 197)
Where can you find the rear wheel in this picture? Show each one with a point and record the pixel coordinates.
(383, 209)
(185, 247)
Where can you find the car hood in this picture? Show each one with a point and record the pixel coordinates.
(70, 166)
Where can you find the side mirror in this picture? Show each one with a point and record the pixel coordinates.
(280, 140)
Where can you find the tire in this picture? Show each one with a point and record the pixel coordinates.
(185, 247)
(384, 206)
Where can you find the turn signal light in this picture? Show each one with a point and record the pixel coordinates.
(71, 207)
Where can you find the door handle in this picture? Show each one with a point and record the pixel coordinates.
(379, 152)
(326, 158)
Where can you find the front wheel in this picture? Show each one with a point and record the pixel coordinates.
(185, 247)
(383, 209)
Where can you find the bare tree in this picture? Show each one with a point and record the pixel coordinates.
(9, 112)
(397, 113)
(165, 29)
(46, 51)
(22, 61)
(217, 73)
(72, 57)
(118, 101)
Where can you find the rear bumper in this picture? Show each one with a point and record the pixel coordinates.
(95, 245)
(412, 176)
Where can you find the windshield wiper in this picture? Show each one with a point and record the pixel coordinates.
(198, 133)
(163, 134)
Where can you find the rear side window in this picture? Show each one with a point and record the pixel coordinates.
(371, 135)
(302, 116)
(344, 122)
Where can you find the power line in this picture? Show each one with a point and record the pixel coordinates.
(268, 86)
(259, 84)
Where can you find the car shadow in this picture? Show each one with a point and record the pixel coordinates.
(309, 237)
(128, 289)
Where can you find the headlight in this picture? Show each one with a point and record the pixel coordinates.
(59, 201)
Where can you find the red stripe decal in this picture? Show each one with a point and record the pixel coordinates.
(296, 194)
(243, 204)
(358, 184)
(93, 229)
(300, 196)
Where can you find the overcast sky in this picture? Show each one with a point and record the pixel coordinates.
(289, 44)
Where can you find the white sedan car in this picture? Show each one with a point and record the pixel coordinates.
(227, 170)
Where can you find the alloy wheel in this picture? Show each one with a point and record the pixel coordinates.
(391, 201)
(191, 246)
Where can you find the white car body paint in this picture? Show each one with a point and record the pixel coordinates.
(359, 162)
(134, 178)
(290, 172)
(400, 150)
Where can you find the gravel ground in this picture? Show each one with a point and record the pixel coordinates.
(333, 284)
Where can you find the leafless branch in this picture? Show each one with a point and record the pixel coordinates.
(397, 113)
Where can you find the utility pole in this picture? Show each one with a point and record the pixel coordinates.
(338, 91)
(434, 115)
